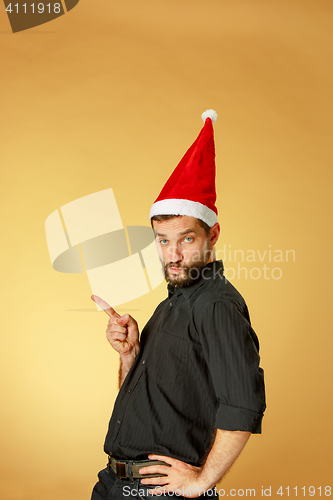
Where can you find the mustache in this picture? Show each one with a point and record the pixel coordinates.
(172, 264)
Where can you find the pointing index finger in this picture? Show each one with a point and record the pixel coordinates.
(105, 306)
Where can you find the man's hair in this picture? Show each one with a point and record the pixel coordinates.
(166, 217)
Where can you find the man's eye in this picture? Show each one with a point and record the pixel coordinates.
(163, 242)
(188, 239)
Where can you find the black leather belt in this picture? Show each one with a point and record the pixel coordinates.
(129, 469)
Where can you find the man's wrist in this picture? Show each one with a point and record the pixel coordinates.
(127, 358)
(204, 480)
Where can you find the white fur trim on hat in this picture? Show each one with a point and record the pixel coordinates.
(184, 207)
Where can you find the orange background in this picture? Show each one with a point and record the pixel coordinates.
(110, 95)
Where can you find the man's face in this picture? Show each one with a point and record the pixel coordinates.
(183, 247)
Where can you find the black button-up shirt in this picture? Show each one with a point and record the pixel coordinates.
(197, 370)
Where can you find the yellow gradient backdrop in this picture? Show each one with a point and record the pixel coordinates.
(110, 95)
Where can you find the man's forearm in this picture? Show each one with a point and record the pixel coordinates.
(182, 476)
(226, 448)
(126, 362)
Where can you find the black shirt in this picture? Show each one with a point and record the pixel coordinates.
(197, 370)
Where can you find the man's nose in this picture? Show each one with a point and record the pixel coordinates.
(175, 253)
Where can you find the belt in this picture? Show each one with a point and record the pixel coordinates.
(129, 469)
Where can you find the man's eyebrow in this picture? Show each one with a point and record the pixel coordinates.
(190, 230)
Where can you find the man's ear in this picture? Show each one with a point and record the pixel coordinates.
(214, 234)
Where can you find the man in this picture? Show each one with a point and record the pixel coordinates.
(191, 389)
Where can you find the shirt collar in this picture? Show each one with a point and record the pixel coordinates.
(208, 272)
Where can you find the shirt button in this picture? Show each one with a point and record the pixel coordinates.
(118, 421)
(129, 390)
(170, 304)
(143, 362)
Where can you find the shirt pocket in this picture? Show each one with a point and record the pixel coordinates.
(169, 361)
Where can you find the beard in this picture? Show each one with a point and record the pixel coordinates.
(192, 272)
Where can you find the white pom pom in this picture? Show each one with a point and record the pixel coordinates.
(210, 113)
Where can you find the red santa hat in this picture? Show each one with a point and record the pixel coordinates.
(190, 190)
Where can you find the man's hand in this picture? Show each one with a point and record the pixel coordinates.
(193, 481)
(123, 334)
(182, 478)
(122, 331)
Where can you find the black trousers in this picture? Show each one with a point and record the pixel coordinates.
(109, 487)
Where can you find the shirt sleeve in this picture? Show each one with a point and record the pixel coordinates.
(231, 350)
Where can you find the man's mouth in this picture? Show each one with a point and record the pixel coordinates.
(174, 268)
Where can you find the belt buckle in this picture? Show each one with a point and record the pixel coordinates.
(121, 470)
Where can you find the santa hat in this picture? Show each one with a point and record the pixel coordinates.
(190, 190)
